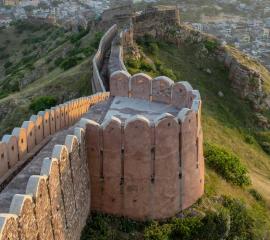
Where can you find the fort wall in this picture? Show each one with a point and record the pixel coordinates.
(116, 62)
(160, 89)
(134, 167)
(98, 60)
(56, 202)
(24, 142)
(138, 167)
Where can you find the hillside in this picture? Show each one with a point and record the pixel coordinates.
(44, 65)
(230, 209)
(41, 61)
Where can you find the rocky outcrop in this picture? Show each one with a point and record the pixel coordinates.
(245, 74)
(245, 80)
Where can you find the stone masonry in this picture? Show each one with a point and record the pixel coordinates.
(135, 151)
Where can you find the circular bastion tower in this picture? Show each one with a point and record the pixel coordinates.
(145, 154)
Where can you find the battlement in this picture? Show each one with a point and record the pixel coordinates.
(147, 152)
(160, 89)
(136, 151)
(19, 147)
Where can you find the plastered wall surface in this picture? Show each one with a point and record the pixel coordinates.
(129, 163)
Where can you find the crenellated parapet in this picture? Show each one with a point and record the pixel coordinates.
(24, 142)
(136, 152)
(55, 203)
(160, 89)
(98, 60)
(147, 153)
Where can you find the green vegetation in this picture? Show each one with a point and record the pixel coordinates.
(263, 138)
(70, 62)
(229, 125)
(42, 103)
(153, 67)
(78, 36)
(102, 227)
(211, 45)
(236, 204)
(40, 60)
(78, 52)
(227, 164)
(230, 220)
(257, 196)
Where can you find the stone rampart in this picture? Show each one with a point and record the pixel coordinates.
(24, 142)
(55, 204)
(98, 60)
(160, 89)
(134, 167)
(116, 62)
(139, 167)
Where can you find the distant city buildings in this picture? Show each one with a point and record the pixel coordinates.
(11, 2)
(246, 26)
(68, 14)
(252, 37)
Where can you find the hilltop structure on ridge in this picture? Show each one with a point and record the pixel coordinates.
(136, 149)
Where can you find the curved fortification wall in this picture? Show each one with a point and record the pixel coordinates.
(116, 62)
(139, 167)
(24, 142)
(98, 61)
(56, 202)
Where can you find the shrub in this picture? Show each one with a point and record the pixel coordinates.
(186, 228)
(167, 72)
(88, 51)
(215, 225)
(211, 45)
(70, 62)
(249, 139)
(241, 221)
(96, 40)
(256, 195)
(98, 228)
(226, 164)
(132, 63)
(42, 103)
(230, 220)
(3, 94)
(78, 36)
(157, 232)
(13, 86)
(4, 56)
(263, 139)
(8, 64)
(58, 61)
(153, 48)
(266, 147)
(127, 225)
(146, 40)
(145, 66)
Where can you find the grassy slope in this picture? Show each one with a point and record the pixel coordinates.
(62, 84)
(227, 121)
